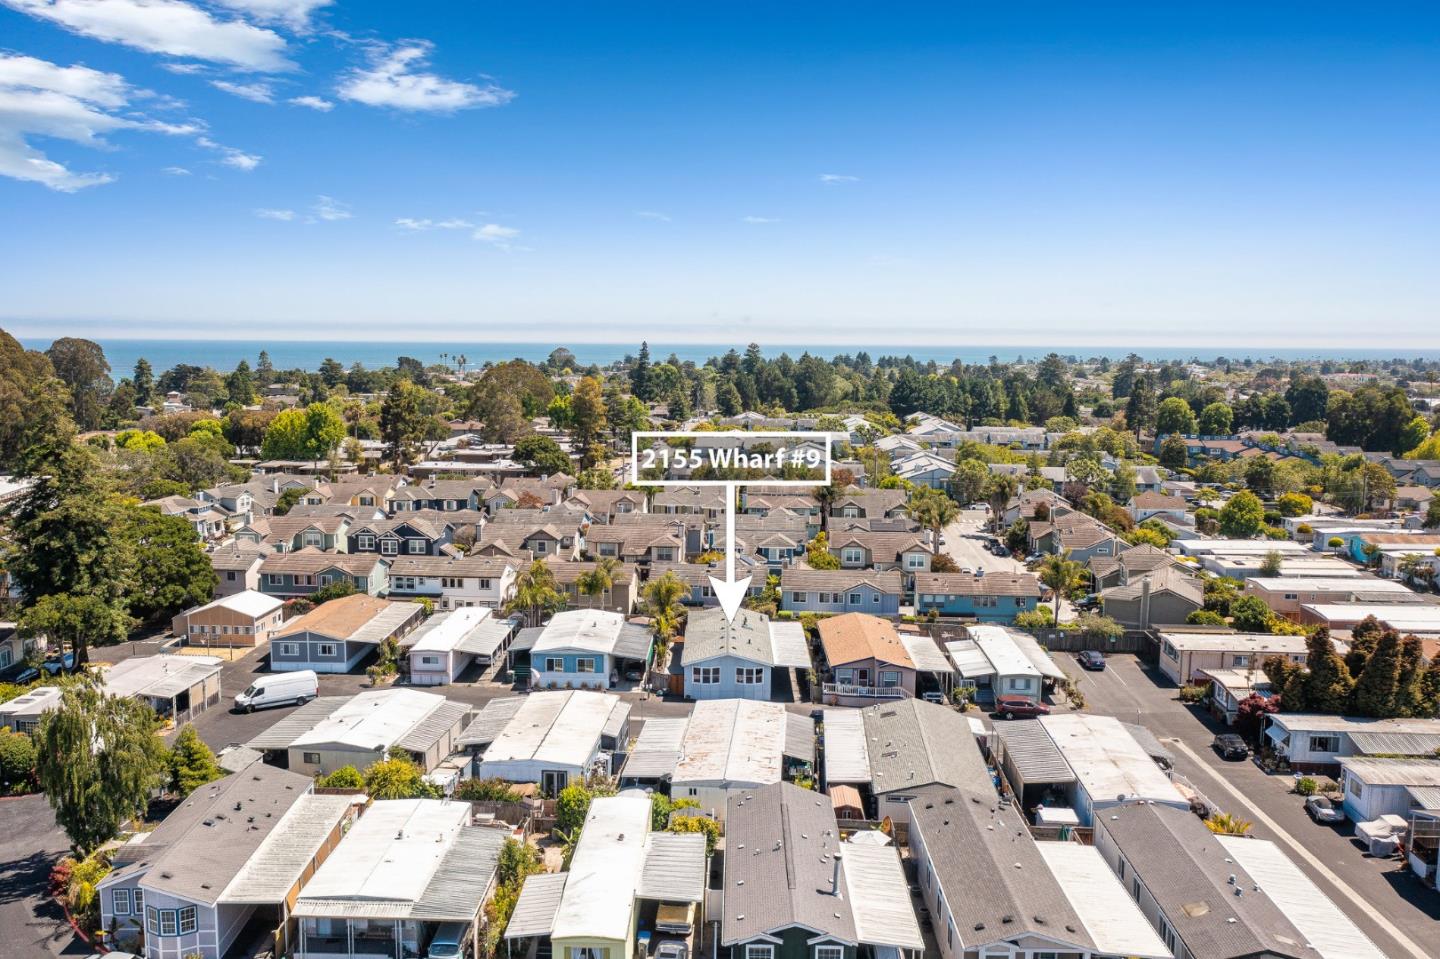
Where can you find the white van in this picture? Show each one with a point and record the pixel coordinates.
(280, 689)
(451, 941)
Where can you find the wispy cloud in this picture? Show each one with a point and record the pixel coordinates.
(831, 179)
(184, 69)
(42, 99)
(282, 215)
(231, 157)
(418, 225)
(759, 219)
(170, 27)
(175, 171)
(496, 235)
(330, 209)
(397, 78)
(314, 103)
(652, 215)
(256, 92)
(294, 14)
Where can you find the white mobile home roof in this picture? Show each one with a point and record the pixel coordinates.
(534, 913)
(470, 629)
(561, 727)
(372, 720)
(656, 750)
(847, 756)
(1327, 584)
(391, 852)
(733, 742)
(674, 869)
(247, 602)
(605, 870)
(32, 703)
(1238, 547)
(288, 851)
(1326, 928)
(791, 648)
(969, 661)
(1108, 762)
(1005, 656)
(1111, 917)
(1030, 646)
(590, 630)
(159, 676)
(926, 656)
(1406, 617)
(879, 896)
(1236, 642)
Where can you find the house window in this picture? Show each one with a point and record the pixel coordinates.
(312, 539)
(914, 560)
(365, 542)
(854, 599)
(829, 952)
(554, 664)
(311, 759)
(484, 583)
(1355, 788)
(749, 675)
(451, 582)
(851, 556)
(538, 545)
(429, 660)
(230, 575)
(889, 677)
(274, 579)
(152, 921)
(289, 649)
(367, 501)
(1328, 743)
(1242, 661)
(759, 951)
(874, 599)
(986, 602)
(327, 649)
(139, 902)
(389, 547)
(704, 675)
(187, 920)
(120, 902)
(586, 952)
(585, 664)
(416, 545)
(167, 922)
(799, 597)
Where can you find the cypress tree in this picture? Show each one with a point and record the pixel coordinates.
(1362, 644)
(1379, 682)
(1327, 681)
(1430, 689)
(1410, 694)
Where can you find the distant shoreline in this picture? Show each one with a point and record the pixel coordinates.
(308, 354)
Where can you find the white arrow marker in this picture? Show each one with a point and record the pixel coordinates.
(730, 593)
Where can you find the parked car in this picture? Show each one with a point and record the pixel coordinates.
(1018, 707)
(1231, 747)
(52, 666)
(1092, 601)
(1323, 810)
(672, 949)
(933, 697)
(278, 689)
(1091, 659)
(999, 549)
(451, 941)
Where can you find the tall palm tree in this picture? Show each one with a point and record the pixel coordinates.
(934, 510)
(999, 493)
(662, 602)
(1062, 574)
(826, 495)
(599, 580)
(535, 593)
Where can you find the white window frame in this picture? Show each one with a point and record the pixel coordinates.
(759, 950)
(169, 922)
(389, 547)
(914, 561)
(416, 546)
(586, 664)
(365, 542)
(312, 759)
(852, 555)
(554, 664)
(325, 649)
(853, 599)
(289, 649)
(119, 897)
(188, 919)
(797, 596)
(749, 675)
(705, 675)
(829, 952)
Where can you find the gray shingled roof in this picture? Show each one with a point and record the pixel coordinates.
(780, 843)
(996, 882)
(1186, 869)
(914, 743)
(709, 634)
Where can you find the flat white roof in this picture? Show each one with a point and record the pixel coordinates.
(1326, 928)
(879, 896)
(1236, 547)
(247, 602)
(847, 755)
(1240, 642)
(1406, 617)
(1112, 918)
(790, 648)
(589, 630)
(605, 870)
(32, 703)
(969, 661)
(1004, 654)
(373, 720)
(1321, 584)
(926, 656)
(162, 676)
(733, 742)
(1107, 760)
(442, 633)
(561, 727)
(391, 852)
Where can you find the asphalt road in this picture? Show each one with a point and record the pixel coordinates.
(1381, 896)
(30, 844)
(965, 541)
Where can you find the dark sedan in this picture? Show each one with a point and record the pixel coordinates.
(1091, 659)
(1231, 747)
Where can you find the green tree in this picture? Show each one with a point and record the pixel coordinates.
(177, 573)
(398, 778)
(287, 499)
(34, 404)
(78, 621)
(98, 759)
(1140, 409)
(818, 555)
(1432, 514)
(81, 366)
(1243, 516)
(1249, 614)
(1205, 617)
(309, 434)
(1328, 684)
(191, 763)
(17, 762)
(143, 379)
(536, 594)
(1294, 504)
(662, 602)
(542, 455)
(599, 579)
(1412, 436)
(1174, 454)
(587, 413)
(933, 510)
(1410, 695)
(704, 825)
(1175, 416)
(1216, 419)
(346, 777)
(1272, 564)
(1123, 482)
(967, 484)
(1378, 686)
(240, 384)
(998, 493)
(571, 808)
(335, 589)
(1062, 575)
(406, 421)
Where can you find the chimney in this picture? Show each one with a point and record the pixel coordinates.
(835, 875)
(1145, 603)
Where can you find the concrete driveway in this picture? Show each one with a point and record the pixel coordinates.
(1382, 897)
(30, 844)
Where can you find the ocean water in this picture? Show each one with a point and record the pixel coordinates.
(308, 354)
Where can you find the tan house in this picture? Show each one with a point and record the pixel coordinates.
(237, 567)
(1185, 654)
(243, 619)
(867, 660)
(1286, 594)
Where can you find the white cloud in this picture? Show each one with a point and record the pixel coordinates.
(257, 92)
(175, 171)
(759, 219)
(184, 69)
(170, 27)
(314, 103)
(830, 179)
(330, 209)
(410, 223)
(496, 235)
(283, 215)
(230, 156)
(652, 215)
(293, 13)
(42, 99)
(395, 78)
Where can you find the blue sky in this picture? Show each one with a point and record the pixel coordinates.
(1178, 174)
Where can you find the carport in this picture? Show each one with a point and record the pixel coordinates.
(1032, 764)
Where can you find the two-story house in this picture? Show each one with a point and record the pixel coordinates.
(804, 590)
(453, 582)
(300, 573)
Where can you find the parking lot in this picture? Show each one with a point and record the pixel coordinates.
(1381, 896)
(965, 541)
(30, 843)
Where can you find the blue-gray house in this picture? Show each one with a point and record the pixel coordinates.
(725, 659)
(877, 592)
(993, 597)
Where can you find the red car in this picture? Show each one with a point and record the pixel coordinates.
(1012, 707)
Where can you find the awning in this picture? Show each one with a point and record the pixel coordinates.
(534, 912)
(969, 661)
(799, 738)
(790, 648)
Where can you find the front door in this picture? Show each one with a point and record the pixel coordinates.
(552, 781)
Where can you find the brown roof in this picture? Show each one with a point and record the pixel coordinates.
(856, 636)
(1158, 501)
(886, 581)
(339, 617)
(312, 560)
(966, 584)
